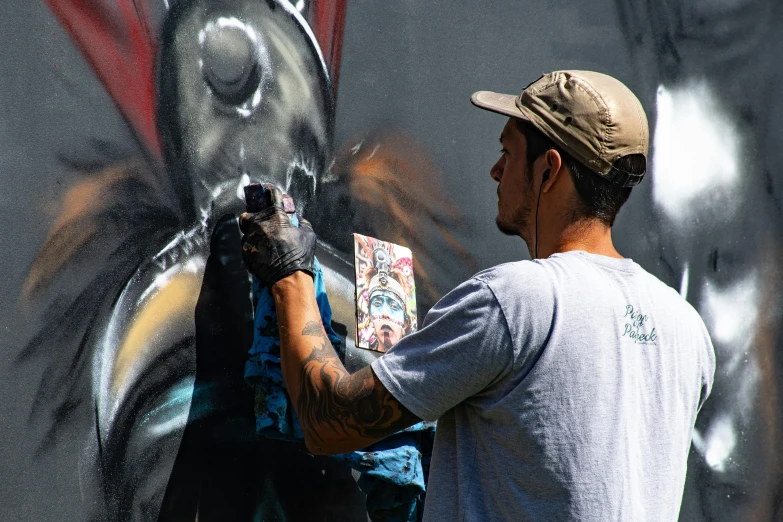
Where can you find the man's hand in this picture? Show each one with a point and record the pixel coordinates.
(272, 247)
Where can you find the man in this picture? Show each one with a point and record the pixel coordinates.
(565, 388)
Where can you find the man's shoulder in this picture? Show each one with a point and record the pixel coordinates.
(512, 270)
(515, 279)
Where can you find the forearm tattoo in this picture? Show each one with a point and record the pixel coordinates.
(331, 398)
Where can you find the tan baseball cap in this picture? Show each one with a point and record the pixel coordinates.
(594, 117)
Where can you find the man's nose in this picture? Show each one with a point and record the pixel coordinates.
(496, 172)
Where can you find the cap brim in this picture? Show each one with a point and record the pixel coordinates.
(497, 102)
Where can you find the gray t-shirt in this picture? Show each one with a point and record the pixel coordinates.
(565, 389)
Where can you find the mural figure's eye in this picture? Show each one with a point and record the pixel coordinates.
(394, 305)
(230, 60)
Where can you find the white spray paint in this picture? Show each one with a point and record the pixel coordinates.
(696, 162)
(697, 169)
(718, 444)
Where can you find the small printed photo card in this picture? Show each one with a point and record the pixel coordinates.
(385, 293)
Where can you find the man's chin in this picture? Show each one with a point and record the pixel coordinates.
(506, 228)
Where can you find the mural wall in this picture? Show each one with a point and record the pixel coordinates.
(128, 129)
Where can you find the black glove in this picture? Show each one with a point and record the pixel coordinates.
(272, 247)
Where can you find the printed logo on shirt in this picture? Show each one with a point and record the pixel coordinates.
(637, 328)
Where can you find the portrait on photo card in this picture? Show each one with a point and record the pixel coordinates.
(385, 293)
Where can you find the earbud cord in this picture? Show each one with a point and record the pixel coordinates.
(540, 188)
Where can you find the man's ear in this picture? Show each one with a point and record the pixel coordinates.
(554, 165)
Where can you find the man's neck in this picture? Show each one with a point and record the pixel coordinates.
(591, 236)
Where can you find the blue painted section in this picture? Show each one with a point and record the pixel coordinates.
(275, 417)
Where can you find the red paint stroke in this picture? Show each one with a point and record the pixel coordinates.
(118, 46)
(328, 23)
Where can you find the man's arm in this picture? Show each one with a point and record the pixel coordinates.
(338, 412)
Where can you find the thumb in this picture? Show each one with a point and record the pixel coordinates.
(275, 195)
(244, 222)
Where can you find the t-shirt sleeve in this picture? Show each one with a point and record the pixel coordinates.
(463, 347)
(708, 366)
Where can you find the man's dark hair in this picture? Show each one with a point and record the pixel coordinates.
(599, 198)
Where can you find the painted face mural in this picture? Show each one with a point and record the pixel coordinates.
(129, 128)
(388, 318)
(242, 93)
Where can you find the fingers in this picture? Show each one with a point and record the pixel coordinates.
(303, 223)
(275, 195)
(273, 247)
(245, 222)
